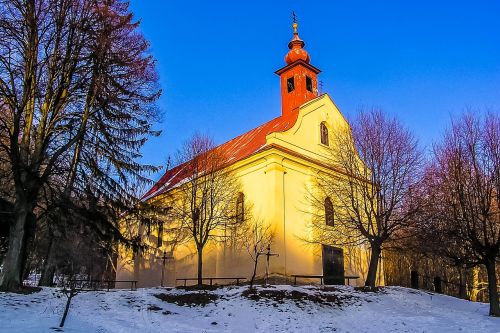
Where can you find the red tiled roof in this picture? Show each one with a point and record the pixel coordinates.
(234, 150)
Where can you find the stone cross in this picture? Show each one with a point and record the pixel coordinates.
(268, 254)
(165, 257)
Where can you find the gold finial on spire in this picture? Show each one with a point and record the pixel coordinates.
(295, 24)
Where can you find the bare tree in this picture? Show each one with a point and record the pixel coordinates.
(365, 196)
(466, 191)
(259, 236)
(431, 239)
(205, 203)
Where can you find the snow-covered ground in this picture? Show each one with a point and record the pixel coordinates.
(278, 309)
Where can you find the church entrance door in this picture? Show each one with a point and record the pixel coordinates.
(333, 265)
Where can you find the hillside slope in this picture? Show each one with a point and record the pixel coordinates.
(276, 309)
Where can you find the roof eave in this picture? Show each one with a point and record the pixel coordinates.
(296, 63)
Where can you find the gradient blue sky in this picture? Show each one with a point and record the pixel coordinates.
(422, 61)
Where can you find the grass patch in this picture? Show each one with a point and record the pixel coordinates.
(188, 299)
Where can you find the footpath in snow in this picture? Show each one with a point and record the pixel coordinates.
(232, 309)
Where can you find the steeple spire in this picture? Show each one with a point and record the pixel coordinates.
(298, 78)
(296, 46)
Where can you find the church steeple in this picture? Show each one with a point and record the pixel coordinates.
(299, 82)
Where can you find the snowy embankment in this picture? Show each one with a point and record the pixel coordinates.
(276, 309)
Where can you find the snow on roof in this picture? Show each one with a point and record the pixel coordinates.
(235, 150)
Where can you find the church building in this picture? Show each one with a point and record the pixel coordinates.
(275, 163)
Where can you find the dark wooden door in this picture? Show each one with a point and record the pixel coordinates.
(333, 265)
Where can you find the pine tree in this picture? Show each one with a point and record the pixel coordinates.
(78, 88)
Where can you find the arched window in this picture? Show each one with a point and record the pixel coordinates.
(240, 208)
(329, 213)
(324, 134)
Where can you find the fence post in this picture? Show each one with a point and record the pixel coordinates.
(414, 279)
(437, 285)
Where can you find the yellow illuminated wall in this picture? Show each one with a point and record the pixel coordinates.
(275, 182)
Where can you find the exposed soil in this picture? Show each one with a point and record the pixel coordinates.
(190, 299)
(329, 288)
(166, 312)
(25, 290)
(300, 298)
(153, 307)
(202, 287)
(367, 289)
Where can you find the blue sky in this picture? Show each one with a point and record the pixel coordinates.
(422, 61)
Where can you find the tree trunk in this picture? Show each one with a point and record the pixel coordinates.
(48, 268)
(254, 271)
(13, 265)
(30, 245)
(70, 295)
(372, 268)
(475, 284)
(492, 287)
(462, 289)
(200, 266)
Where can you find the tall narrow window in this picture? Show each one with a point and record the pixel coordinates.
(309, 84)
(324, 134)
(160, 235)
(329, 213)
(290, 83)
(240, 208)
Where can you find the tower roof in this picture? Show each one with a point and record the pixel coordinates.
(296, 47)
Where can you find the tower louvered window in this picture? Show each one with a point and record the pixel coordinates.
(309, 84)
(290, 83)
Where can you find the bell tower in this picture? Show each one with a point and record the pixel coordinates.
(299, 82)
